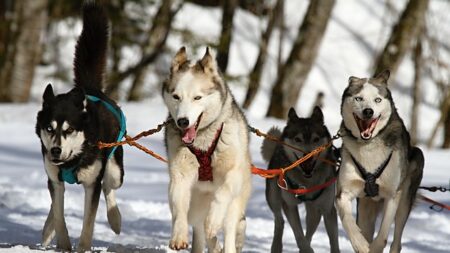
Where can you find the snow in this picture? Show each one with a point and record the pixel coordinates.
(348, 49)
(24, 199)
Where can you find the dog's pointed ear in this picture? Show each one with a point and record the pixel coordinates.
(292, 115)
(179, 59)
(383, 77)
(317, 115)
(48, 94)
(79, 97)
(208, 63)
(353, 80)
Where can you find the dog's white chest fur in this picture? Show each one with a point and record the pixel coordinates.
(371, 156)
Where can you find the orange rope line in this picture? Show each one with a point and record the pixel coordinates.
(281, 171)
(274, 139)
(129, 139)
(131, 142)
(258, 171)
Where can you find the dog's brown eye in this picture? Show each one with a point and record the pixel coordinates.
(70, 130)
(197, 98)
(296, 139)
(316, 139)
(358, 99)
(377, 100)
(176, 97)
(49, 129)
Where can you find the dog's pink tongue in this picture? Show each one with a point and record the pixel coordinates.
(369, 127)
(189, 135)
(366, 134)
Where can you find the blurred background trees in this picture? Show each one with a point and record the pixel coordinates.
(31, 37)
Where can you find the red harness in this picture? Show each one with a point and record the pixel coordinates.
(204, 159)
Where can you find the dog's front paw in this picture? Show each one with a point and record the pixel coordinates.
(64, 244)
(179, 242)
(115, 219)
(360, 244)
(212, 226)
(377, 245)
(83, 248)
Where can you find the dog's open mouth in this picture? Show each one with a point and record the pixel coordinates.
(57, 161)
(366, 126)
(189, 134)
(307, 167)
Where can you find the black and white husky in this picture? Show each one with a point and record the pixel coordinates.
(69, 127)
(379, 166)
(306, 134)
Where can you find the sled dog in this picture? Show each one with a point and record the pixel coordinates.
(70, 125)
(209, 161)
(306, 134)
(379, 166)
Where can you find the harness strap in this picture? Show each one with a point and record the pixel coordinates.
(204, 158)
(69, 175)
(371, 188)
(303, 197)
(302, 191)
(119, 116)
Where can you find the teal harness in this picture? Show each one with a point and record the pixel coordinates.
(69, 175)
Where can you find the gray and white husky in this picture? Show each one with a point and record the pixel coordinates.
(379, 166)
(69, 127)
(209, 160)
(306, 134)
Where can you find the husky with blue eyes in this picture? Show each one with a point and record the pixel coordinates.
(69, 126)
(379, 167)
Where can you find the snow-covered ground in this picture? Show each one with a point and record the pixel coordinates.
(357, 30)
(24, 199)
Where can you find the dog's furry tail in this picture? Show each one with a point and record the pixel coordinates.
(268, 146)
(90, 52)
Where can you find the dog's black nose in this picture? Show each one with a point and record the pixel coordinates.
(183, 122)
(368, 113)
(55, 151)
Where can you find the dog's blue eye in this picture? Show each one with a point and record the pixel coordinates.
(176, 97)
(377, 100)
(358, 99)
(197, 98)
(49, 129)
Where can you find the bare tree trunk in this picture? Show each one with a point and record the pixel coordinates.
(292, 77)
(162, 23)
(446, 143)
(30, 21)
(402, 36)
(161, 29)
(8, 36)
(282, 30)
(418, 66)
(445, 111)
(255, 75)
(229, 8)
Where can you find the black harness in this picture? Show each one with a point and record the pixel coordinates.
(371, 188)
